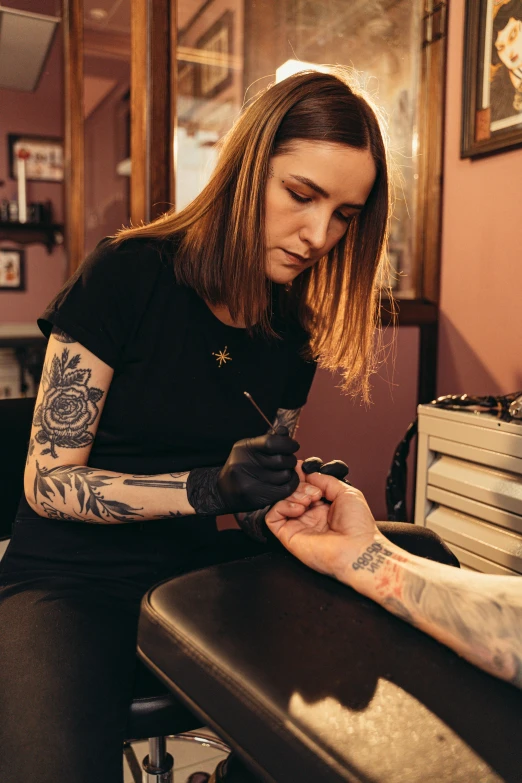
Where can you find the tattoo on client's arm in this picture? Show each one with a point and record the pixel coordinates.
(253, 522)
(477, 615)
(69, 406)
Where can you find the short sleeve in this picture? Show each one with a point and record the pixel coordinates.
(101, 304)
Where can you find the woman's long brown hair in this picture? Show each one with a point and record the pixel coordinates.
(221, 239)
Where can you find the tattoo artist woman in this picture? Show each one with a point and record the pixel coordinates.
(139, 427)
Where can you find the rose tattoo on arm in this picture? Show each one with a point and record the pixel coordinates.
(68, 407)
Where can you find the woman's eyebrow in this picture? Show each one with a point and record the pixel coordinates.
(322, 192)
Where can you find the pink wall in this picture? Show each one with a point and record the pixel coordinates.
(39, 113)
(335, 427)
(481, 303)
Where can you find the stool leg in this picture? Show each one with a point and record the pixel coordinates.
(158, 765)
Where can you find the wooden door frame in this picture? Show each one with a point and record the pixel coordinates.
(74, 165)
(153, 116)
(153, 107)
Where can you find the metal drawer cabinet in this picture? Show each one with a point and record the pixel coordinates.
(469, 487)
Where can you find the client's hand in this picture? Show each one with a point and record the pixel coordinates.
(324, 536)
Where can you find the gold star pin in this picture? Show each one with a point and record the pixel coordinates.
(222, 356)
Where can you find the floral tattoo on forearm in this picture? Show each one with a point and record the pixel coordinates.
(86, 483)
(68, 407)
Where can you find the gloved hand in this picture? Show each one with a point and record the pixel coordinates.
(336, 468)
(258, 472)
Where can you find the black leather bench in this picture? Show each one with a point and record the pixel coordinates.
(311, 682)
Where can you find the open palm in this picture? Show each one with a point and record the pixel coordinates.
(320, 533)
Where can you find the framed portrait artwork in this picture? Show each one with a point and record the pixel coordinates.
(492, 77)
(44, 157)
(217, 44)
(12, 269)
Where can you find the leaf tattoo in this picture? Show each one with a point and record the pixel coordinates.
(87, 483)
(54, 513)
(68, 407)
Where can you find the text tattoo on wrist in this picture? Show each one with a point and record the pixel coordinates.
(372, 558)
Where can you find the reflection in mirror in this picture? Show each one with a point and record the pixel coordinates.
(230, 49)
(106, 119)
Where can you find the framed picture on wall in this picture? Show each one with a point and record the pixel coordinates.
(492, 77)
(216, 45)
(43, 157)
(12, 269)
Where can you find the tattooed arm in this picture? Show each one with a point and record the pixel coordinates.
(253, 522)
(478, 615)
(58, 483)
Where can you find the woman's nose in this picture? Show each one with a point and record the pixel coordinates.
(315, 230)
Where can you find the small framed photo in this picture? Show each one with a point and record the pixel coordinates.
(43, 154)
(217, 42)
(12, 269)
(492, 77)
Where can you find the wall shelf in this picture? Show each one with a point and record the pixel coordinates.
(48, 234)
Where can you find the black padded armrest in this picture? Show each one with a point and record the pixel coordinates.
(311, 682)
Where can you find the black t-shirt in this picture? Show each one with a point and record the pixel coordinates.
(176, 399)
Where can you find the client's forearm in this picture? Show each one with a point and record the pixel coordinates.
(82, 493)
(477, 615)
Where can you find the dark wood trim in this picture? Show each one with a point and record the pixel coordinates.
(427, 377)
(430, 152)
(469, 80)
(151, 115)
(160, 136)
(73, 135)
(410, 312)
(48, 234)
(173, 100)
(139, 85)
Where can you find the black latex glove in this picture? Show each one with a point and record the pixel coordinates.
(258, 473)
(335, 467)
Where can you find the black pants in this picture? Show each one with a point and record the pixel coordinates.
(69, 605)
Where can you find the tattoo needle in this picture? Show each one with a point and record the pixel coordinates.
(256, 406)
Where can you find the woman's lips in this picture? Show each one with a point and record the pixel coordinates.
(295, 259)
